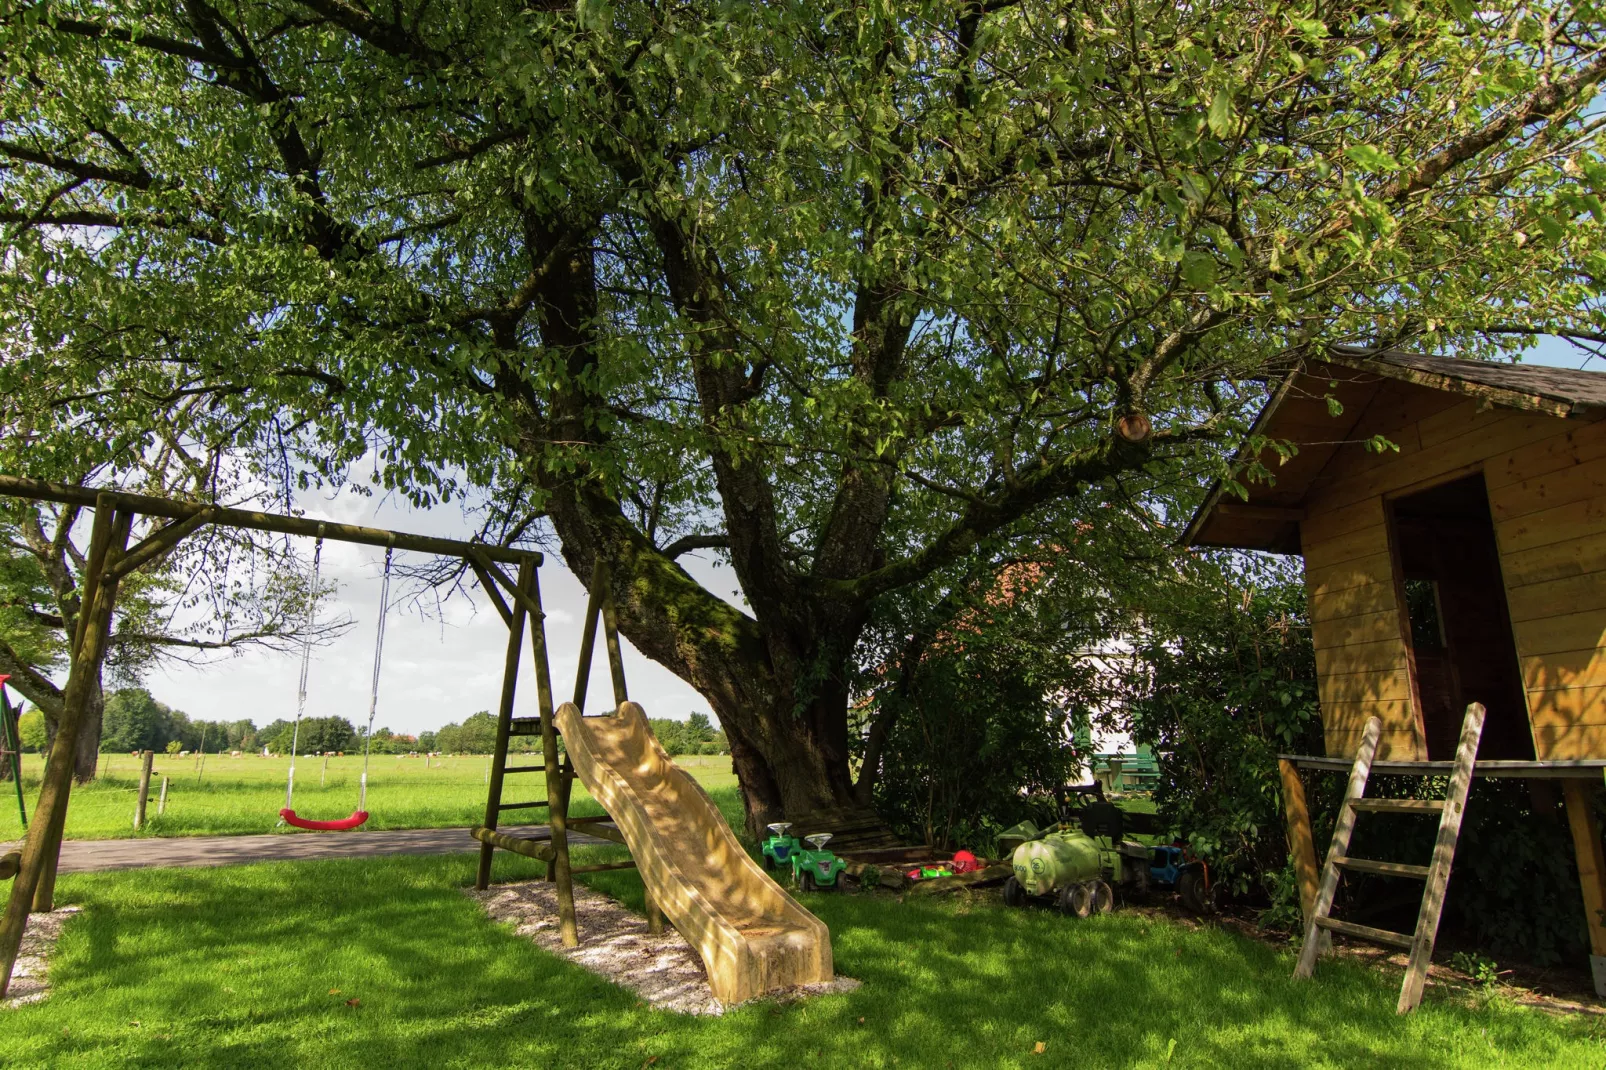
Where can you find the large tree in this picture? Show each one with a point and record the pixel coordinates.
(845, 293)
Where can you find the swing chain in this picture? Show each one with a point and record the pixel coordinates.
(306, 666)
(373, 693)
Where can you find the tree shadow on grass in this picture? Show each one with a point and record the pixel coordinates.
(235, 966)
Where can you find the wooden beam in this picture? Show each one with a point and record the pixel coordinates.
(557, 788)
(489, 587)
(1274, 513)
(1301, 841)
(149, 505)
(35, 880)
(504, 724)
(1555, 769)
(540, 850)
(1591, 870)
(161, 541)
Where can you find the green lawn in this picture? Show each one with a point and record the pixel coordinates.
(236, 967)
(243, 795)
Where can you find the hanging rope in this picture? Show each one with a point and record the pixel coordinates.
(373, 692)
(306, 667)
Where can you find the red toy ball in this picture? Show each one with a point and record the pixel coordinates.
(965, 862)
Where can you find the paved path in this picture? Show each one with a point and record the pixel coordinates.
(86, 856)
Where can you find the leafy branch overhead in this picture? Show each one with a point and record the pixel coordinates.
(846, 294)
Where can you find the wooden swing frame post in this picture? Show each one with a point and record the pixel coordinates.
(109, 559)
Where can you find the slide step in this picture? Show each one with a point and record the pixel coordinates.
(1400, 806)
(524, 726)
(1383, 869)
(521, 806)
(540, 850)
(1364, 932)
(525, 769)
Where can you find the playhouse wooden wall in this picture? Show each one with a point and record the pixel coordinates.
(1547, 488)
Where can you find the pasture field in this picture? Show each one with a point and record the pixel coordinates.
(233, 796)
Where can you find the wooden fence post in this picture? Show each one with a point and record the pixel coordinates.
(144, 787)
(161, 800)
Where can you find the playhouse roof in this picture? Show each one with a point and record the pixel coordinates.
(1299, 411)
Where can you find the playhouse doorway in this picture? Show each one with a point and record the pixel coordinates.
(1459, 628)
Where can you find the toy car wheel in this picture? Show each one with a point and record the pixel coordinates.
(1076, 900)
(1014, 894)
(805, 881)
(769, 863)
(1102, 898)
(1195, 896)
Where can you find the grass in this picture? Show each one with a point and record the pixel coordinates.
(243, 795)
(251, 966)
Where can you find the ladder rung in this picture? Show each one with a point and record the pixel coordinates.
(524, 726)
(525, 769)
(1383, 869)
(521, 806)
(1400, 806)
(540, 850)
(1364, 932)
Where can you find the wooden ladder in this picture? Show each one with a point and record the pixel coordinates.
(1436, 873)
(552, 849)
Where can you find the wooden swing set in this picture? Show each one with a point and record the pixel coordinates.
(111, 558)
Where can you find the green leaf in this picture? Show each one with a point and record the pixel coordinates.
(1371, 158)
(1221, 114)
(1198, 269)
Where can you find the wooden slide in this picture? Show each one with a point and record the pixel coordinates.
(753, 937)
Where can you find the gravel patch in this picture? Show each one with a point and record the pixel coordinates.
(665, 971)
(30, 980)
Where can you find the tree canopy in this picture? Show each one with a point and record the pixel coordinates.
(853, 296)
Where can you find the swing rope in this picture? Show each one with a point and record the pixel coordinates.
(373, 692)
(360, 815)
(306, 666)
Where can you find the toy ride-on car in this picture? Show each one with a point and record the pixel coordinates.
(1075, 864)
(814, 867)
(780, 847)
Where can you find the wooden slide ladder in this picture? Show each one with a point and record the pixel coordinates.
(554, 848)
(1436, 874)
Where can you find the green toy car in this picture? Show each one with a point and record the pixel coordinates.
(814, 867)
(780, 847)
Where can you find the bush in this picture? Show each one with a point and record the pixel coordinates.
(35, 736)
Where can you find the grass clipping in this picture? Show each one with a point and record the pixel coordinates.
(665, 971)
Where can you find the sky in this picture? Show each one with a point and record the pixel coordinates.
(441, 668)
(437, 668)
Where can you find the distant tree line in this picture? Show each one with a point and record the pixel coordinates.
(134, 720)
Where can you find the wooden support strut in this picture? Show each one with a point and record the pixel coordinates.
(1301, 841)
(34, 886)
(504, 722)
(558, 870)
(1591, 857)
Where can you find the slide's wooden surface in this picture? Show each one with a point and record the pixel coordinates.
(753, 937)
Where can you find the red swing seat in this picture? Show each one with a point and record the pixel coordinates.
(345, 824)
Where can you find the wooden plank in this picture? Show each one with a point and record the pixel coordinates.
(1301, 841)
(1342, 830)
(541, 850)
(1571, 594)
(1375, 597)
(1554, 742)
(1555, 561)
(1363, 542)
(1565, 706)
(1564, 669)
(1392, 746)
(1591, 860)
(1561, 523)
(1455, 802)
(1365, 932)
(1396, 715)
(1325, 581)
(1563, 487)
(1354, 631)
(1560, 633)
(1328, 524)
(1399, 806)
(1577, 443)
(1384, 685)
(1384, 869)
(1361, 657)
(1485, 437)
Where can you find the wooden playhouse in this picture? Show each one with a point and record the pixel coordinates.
(1452, 518)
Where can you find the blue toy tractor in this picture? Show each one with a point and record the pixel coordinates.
(1174, 866)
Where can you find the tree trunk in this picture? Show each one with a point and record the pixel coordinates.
(87, 760)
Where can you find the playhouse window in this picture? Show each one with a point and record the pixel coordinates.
(1422, 609)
